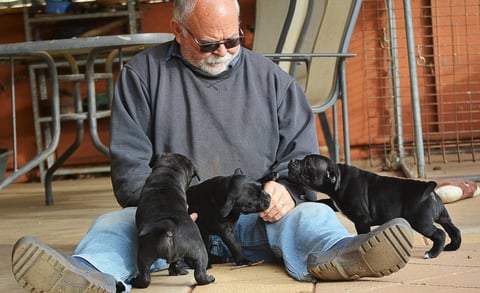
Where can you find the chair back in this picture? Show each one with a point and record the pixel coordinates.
(308, 26)
(278, 27)
(330, 29)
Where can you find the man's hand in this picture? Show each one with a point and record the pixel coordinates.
(280, 204)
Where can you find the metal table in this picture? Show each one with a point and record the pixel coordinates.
(51, 54)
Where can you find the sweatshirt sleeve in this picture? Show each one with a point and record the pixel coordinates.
(130, 145)
(298, 137)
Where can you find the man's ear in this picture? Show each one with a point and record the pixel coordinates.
(177, 30)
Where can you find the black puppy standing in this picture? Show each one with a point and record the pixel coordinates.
(165, 229)
(219, 201)
(368, 199)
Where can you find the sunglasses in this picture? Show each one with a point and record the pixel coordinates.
(209, 47)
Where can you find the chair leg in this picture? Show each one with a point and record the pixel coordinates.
(346, 126)
(327, 134)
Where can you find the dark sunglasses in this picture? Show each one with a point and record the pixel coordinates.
(209, 47)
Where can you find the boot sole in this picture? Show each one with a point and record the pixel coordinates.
(378, 255)
(38, 268)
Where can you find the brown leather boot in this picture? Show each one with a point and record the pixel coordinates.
(39, 268)
(379, 253)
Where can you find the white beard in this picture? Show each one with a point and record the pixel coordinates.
(215, 65)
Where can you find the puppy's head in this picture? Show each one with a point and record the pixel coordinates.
(175, 163)
(244, 195)
(316, 172)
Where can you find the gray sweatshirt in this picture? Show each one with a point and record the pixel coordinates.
(253, 116)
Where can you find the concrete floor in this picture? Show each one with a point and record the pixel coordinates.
(79, 202)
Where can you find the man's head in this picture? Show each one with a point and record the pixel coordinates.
(205, 29)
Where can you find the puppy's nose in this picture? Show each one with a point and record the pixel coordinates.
(266, 197)
(265, 203)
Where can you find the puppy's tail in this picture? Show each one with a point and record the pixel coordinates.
(429, 189)
(163, 233)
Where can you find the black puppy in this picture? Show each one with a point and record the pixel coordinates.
(368, 199)
(219, 201)
(165, 229)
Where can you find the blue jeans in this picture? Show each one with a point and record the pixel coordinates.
(110, 245)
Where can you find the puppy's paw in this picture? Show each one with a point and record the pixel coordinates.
(248, 265)
(204, 280)
(430, 254)
(141, 281)
(243, 261)
(213, 259)
(177, 268)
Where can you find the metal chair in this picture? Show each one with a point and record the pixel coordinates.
(313, 35)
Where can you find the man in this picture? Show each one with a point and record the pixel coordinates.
(224, 107)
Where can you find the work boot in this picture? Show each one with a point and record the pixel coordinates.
(39, 268)
(379, 253)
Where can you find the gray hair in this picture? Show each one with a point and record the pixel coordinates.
(183, 8)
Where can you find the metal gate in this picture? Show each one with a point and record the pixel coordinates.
(441, 39)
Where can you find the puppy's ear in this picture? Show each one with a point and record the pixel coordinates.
(195, 174)
(155, 160)
(195, 171)
(333, 179)
(227, 207)
(238, 171)
(273, 176)
(145, 229)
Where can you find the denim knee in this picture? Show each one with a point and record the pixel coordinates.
(308, 228)
(124, 216)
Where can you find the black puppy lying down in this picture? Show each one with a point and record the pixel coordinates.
(368, 199)
(165, 229)
(220, 200)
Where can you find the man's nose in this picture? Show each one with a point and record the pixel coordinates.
(221, 50)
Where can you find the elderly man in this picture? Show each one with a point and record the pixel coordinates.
(224, 107)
